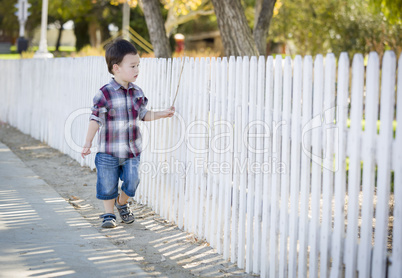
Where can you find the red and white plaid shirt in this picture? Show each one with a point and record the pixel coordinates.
(116, 109)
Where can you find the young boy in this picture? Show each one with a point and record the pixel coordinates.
(117, 107)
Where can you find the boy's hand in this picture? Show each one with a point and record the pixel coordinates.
(86, 149)
(168, 112)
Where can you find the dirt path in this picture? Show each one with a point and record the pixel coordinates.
(161, 248)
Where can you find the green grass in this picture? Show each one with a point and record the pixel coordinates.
(13, 48)
(10, 56)
(64, 51)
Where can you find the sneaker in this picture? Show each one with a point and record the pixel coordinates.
(109, 220)
(125, 212)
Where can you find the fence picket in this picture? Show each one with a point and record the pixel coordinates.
(396, 268)
(268, 103)
(192, 156)
(216, 156)
(210, 225)
(316, 175)
(340, 175)
(368, 179)
(276, 178)
(328, 168)
(221, 178)
(295, 165)
(173, 134)
(384, 152)
(161, 188)
(285, 159)
(183, 91)
(229, 160)
(154, 137)
(203, 119)
(305, 165)
(259, 162)
(252, 114)
(354, 165)
(243, 157)
(188, 78)
(168, 128)
(236, 159)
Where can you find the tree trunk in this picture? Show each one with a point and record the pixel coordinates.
(156, 27)
(261, 26)
(235, 32)
(93, 26)
(81, 33)
(59, 35)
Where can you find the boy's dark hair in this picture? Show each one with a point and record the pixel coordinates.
(116, 50)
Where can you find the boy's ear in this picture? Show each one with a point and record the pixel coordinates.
(115, 68)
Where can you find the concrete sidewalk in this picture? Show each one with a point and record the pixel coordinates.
(42, 235)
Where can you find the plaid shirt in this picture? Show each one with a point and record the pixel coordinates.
(116, 109)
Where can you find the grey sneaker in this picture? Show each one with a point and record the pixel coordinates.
(125, 212)
(109, 220)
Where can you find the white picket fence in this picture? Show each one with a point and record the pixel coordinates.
(259, 159)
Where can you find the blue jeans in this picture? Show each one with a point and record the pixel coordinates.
(109, 169)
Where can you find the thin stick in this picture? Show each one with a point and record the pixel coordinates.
(178, 84)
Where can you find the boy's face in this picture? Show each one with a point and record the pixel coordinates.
(128, 69)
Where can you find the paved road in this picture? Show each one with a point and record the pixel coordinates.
(41, 235)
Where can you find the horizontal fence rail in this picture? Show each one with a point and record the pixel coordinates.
(289, 168)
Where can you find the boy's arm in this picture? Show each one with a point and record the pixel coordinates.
(92, 129)
(151, 115)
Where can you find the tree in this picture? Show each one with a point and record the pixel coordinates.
(264, 9)
(155, 23)
(392, 9)
(236, 34)
(181, 11)
(176, 13)
(61, 11)
(94, 15)
(320, 26)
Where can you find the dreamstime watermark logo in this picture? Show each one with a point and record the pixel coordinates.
(324, 135)
(319, 142)
(200, 166)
